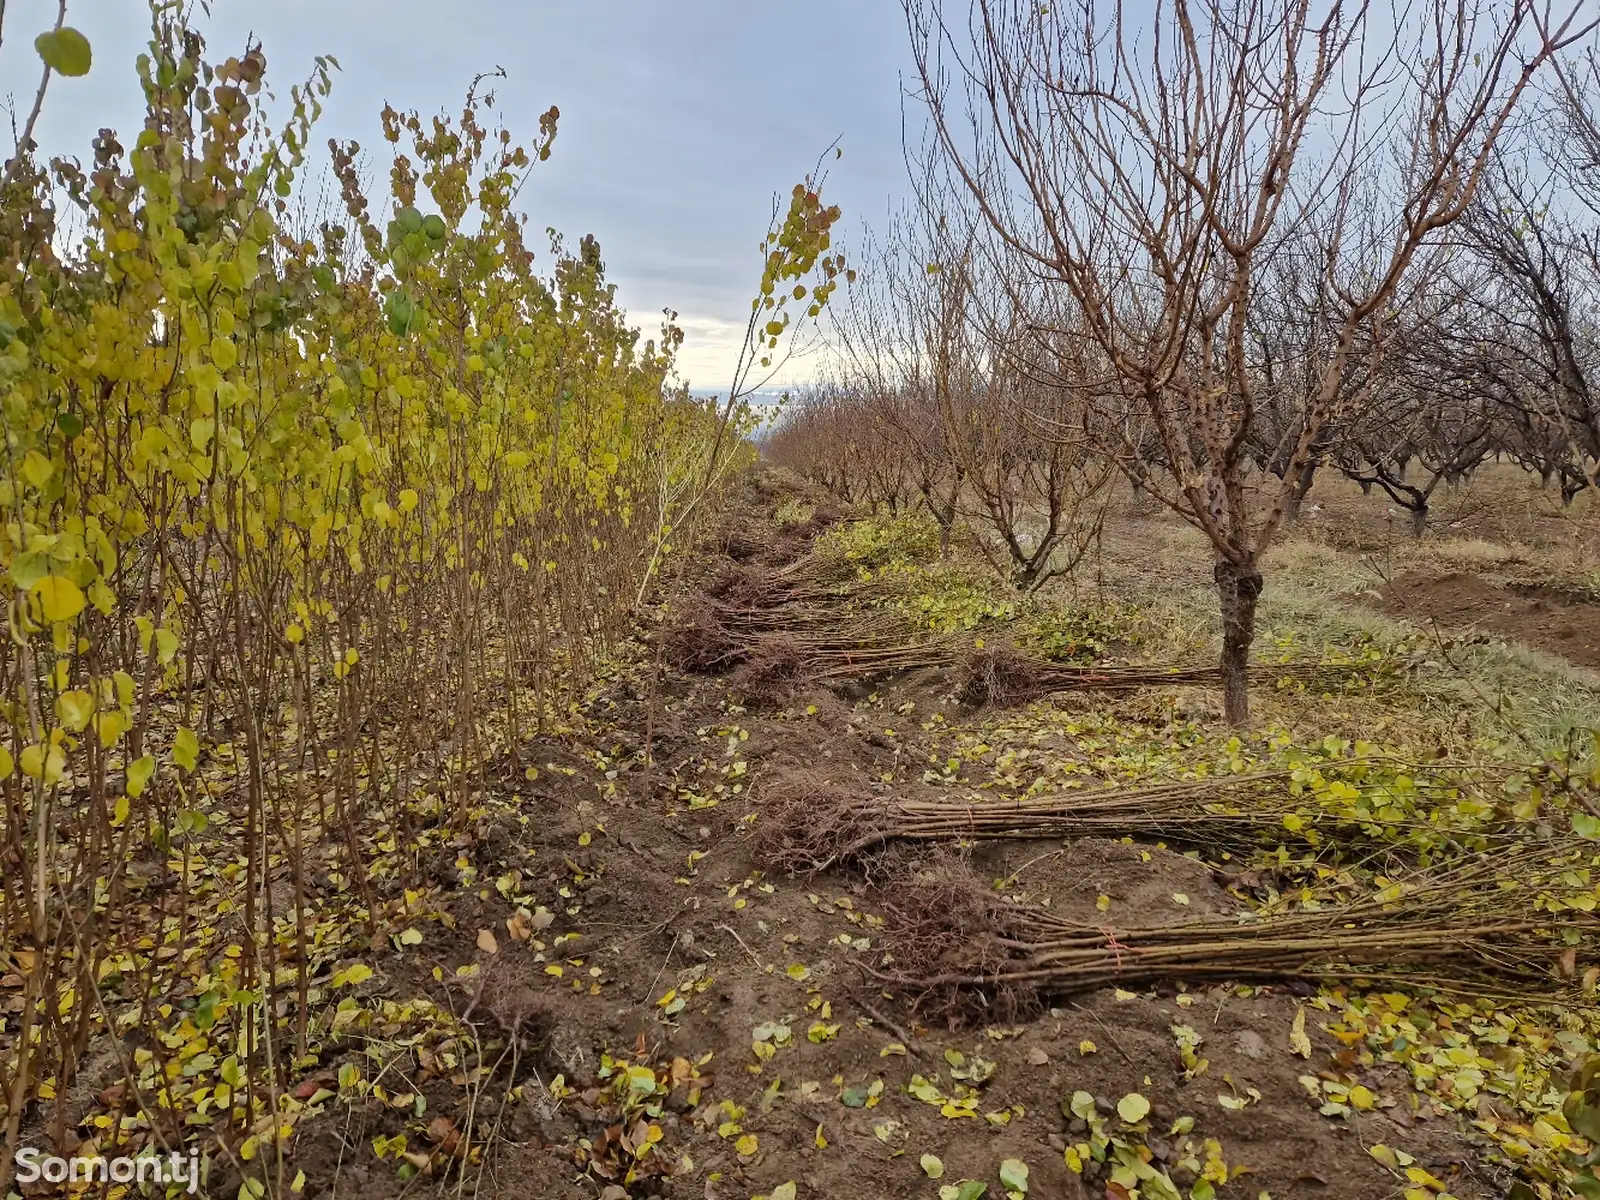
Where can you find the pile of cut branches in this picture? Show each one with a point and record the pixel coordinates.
(1003, 675)
(1390, 806)
(811, 620)
(1473, 929)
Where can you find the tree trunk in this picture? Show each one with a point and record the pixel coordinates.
(1238, 589)
(1302, 485)
(1419, 519)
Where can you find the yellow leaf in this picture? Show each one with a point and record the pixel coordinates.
(139, 772)
(7, 764)
(37, 469)
(487, 942)
(43, 763)
(119, 813)
(1133, 1108)
(74, 709)
(1298, 1041)
(820, 1140)
(110, 726)
(1362, 1098)
(59, 598)
(747, 1145)
(185, 748)
(1418, 1175)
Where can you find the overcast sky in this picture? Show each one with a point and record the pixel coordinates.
(679, 118)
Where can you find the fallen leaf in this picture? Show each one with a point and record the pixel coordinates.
(1014, 1176)
(487, 943)
(1299, 1043)
(1133, 1108)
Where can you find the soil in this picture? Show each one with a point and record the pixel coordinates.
(673, 896)
(1556, 621)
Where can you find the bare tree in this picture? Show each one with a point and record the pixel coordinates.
(1156, 168)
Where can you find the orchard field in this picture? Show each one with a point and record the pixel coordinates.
(1129, 727)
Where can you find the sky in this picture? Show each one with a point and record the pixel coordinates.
(679, 118)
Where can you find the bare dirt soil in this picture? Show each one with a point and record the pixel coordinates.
(1558, 621)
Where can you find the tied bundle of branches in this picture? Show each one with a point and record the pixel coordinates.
(1471, 930)
(697, 640)
(1003, 675)
(810, 819)
(746, 586)
(1226, 813)
(837, 642)
(838, 828)
(772, 670)
(799, 609)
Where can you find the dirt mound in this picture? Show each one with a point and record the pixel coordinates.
(1557, 621)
